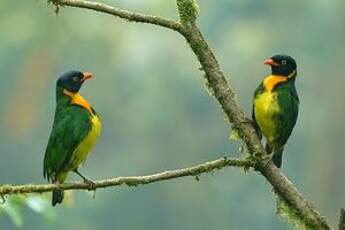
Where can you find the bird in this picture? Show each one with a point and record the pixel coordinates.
(275, 105)
(75, 131)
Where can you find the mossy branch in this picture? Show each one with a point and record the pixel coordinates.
(341, 225)
(224, 94)
(124, 14)
(188, 10)
(195, 171)
(226, 98)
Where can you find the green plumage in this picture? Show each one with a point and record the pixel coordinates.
(74, 133)
(71, 125)
(280, 113)
(275, 112)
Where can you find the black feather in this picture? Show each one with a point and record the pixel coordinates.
(278, 157)
(58, 196)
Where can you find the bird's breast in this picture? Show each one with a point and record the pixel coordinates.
(265, 108)
(84, 148)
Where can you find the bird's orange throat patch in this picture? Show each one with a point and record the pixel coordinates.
(272, 81)
(77, 99)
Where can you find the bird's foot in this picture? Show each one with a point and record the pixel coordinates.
(234, 133)
(89, 182)
(252, 122)
(247, 120)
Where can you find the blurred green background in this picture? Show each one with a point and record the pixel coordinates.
(157, 114)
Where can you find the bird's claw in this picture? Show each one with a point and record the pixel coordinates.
(90, 183)
(248, 121)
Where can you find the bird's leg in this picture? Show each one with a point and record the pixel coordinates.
(57, 183)
(86, 180)
(247, 120)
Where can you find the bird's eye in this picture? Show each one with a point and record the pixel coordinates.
(283, 62)
(75, 79)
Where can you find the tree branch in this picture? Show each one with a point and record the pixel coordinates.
(130, 181)
(341, 225)
(124, 14)
(225, 96)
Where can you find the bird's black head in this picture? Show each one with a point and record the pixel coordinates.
(73, 80)
(283, 65)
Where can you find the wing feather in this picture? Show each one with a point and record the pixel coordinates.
(71, 126)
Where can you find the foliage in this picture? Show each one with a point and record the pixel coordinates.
(14, 205)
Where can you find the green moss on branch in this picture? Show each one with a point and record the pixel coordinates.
(188, 10)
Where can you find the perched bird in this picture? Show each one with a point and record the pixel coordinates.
(276, 104)
(75, 131)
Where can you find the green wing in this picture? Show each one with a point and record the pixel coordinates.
(286, 120)
(258, 91)
(71, 126)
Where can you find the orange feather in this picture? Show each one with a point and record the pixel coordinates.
(272, 81)
(77, 99)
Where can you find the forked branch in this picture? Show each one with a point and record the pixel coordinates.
(224, 94)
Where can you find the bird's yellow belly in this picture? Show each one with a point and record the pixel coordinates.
(84, 148)
(266, 107)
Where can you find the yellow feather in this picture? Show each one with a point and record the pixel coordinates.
(265, 107)
(84, 148)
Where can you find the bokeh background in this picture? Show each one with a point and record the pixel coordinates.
(157, 114)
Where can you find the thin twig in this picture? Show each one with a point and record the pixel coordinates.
(125, 14)
(130, 181)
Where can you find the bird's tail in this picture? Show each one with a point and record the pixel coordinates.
(277, 154)
(57, 197)
(268, 148)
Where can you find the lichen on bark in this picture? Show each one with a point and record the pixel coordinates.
(188, 10)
